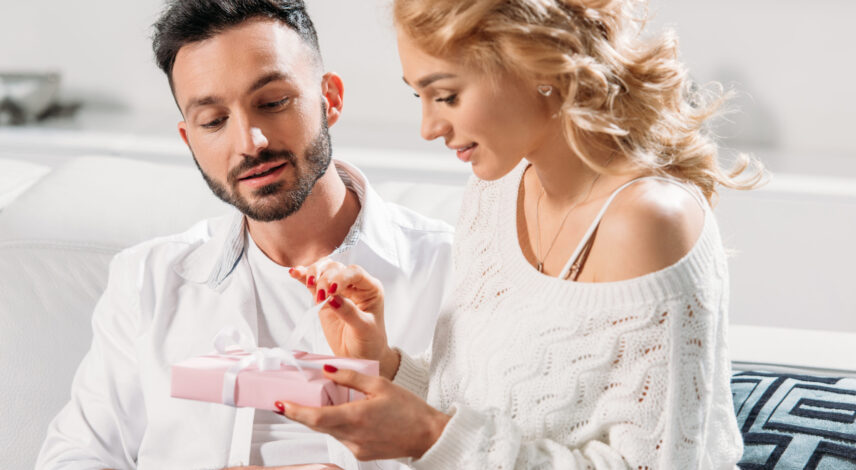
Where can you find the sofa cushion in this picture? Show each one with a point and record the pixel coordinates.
(795, 421)
(16, 176)
(109, 202)
(47, 294)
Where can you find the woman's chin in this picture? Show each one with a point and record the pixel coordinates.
(489, 172)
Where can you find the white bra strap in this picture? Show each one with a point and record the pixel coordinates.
(695, 194)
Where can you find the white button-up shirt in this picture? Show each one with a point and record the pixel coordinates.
(165, 301)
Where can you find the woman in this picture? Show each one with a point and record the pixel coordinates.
(587, 325)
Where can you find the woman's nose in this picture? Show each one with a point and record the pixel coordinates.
(433, 126)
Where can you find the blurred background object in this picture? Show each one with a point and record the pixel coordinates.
(787, 62)
(25, 97)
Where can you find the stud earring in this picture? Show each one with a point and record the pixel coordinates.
(545, 90)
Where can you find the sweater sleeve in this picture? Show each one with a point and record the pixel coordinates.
(488, 439)
(668, 422)
(413, 373)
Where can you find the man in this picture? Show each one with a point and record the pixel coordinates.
(247, 77)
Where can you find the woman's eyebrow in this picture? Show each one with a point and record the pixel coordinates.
(429, 79)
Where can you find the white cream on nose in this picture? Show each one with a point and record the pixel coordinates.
(259, 139)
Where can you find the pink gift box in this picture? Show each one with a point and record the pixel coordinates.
(201, 378)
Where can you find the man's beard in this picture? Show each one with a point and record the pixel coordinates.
(275, 201)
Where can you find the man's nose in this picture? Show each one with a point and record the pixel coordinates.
(434, 126)
(250, 139)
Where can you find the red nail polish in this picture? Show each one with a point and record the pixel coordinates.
(321, 295)
(291, 271)
(280, 406)
(311, 281)
(330, 369)
(333, 288)
(335, 302)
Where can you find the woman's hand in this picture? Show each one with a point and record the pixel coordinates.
(353, 318)
(390, 423)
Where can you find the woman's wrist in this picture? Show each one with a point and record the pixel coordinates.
(434, 427)
(389, 363)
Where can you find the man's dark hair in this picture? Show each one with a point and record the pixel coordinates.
(185, 21)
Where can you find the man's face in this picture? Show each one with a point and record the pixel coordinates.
(255, 116)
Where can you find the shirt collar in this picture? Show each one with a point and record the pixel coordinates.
(215, 259)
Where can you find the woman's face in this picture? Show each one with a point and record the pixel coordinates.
(490, 122)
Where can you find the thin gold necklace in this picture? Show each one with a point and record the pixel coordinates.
(539, 258)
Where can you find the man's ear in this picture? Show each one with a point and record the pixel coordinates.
(334, 91)
(182, 131)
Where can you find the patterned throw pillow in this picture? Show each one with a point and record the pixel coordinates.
(795, 421)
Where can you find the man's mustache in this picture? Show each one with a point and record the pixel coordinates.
(265, 156)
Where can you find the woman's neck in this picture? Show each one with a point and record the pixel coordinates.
(562, 176)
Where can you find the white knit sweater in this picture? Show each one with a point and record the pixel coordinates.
(545, 373)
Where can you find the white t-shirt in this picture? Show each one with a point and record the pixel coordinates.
(281, 302)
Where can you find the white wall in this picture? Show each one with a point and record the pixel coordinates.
(790, 61)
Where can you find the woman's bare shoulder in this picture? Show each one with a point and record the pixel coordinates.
(650, 225)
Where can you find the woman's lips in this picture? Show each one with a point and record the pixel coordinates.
(466, 154)
(265, 178)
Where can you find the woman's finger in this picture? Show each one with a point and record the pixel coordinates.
(306, 275)
(298, 273)
(324, 418)
(327, 282)
(357, 279)
(309, 275)
(347, 311)
(368, 384)
(350, 281)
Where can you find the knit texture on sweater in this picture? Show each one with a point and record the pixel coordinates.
(545, 373)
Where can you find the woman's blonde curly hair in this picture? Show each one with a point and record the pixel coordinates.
(620, 91)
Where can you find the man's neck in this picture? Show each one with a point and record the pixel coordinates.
(315, 230)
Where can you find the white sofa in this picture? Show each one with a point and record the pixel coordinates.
(65, 216)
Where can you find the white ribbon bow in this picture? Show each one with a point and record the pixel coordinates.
(264, 358)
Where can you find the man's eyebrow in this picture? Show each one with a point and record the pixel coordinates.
(274, 76)
(429, 79)
(203, 101)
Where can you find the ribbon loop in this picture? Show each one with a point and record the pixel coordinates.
(227, 336)
(264, 359)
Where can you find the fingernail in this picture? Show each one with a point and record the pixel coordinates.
(335, 302)
(321, 295)
(311, 281)
(330, 369)
(280, 406)
(291, 271)
(333, 288)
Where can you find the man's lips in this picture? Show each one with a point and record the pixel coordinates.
(263, 175)
(261, 170)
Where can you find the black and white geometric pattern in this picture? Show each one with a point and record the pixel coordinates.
(795, 421)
